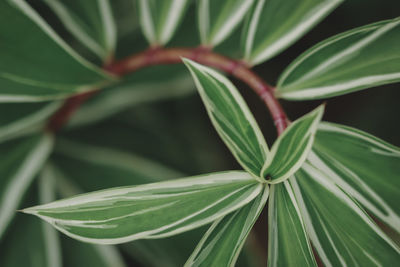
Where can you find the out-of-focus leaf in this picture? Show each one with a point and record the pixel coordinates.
(95, 168)
(231, 117)
(90, 22)
(291, 148)
(364, 166)
(35, 63)
(155, 210)
(19, 118)
(146, 86)
(273, 25)
(218, 18)
(160, 18)
(340, 230)
(288, 244)
(357, 59)
(20, 160)
(222, 243)
(50, 235)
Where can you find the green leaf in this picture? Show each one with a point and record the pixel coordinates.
(218, 18)
(340, 230)
(291, 148)
(145, 86)
(50, 235)
(366, 167)
(274, 25)
(149, 211)
(95, 167)
(288, 244)
(222, 243)
(357, 59)
(35, 63)
(17, 119)
(20, 160)
(231, 117)
(90, 22)
(160, 18)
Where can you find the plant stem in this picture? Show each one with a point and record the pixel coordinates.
(202, 55)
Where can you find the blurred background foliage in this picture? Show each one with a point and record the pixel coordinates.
(157, 115)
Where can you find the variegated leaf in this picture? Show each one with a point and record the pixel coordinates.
(291, 148)
(273, 25)
(222, 243)
(231, 117)
(160, 18)
(155, 210)
(357, 59)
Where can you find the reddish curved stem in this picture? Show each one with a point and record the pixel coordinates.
(238, 69)
(202, 55)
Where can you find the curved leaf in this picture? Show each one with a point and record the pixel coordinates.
(91, 22)
(218, 18)
(222, 243)
(364, 166)
(288, 244)
(35, 63)
(19, 118)
(357, 59)
(231, 117)
(340, 230)
(160, 18)
(149, 211)
(291, 148)
(275, 24)
(20, 160)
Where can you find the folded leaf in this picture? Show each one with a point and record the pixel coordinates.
(147, 211)
(340, 230)
(231, 117)
(18, 118)
(364, 166)
(291, 148)
(357, 59)
(35, 63)
(160, 18)
(222, 243)
(218, 18)
(288, 244)
(20, 160)
(275, 24)
(90, 22)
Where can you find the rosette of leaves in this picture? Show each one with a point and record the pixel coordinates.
(325, 185)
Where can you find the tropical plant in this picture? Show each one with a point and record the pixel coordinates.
(327, 186)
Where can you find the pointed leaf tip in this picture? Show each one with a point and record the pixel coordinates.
(291, 148)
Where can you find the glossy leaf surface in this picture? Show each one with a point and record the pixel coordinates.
(231, 117)
(274, 25)
(291, 148)
(90, 22)
(288, 244)
(148, 211)
(340, 230)
(357, 59)
(160, 18)
(19, 118)
(20, 160)
(222, 243)
(35, 63)
(365, 167)
(218, 18)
